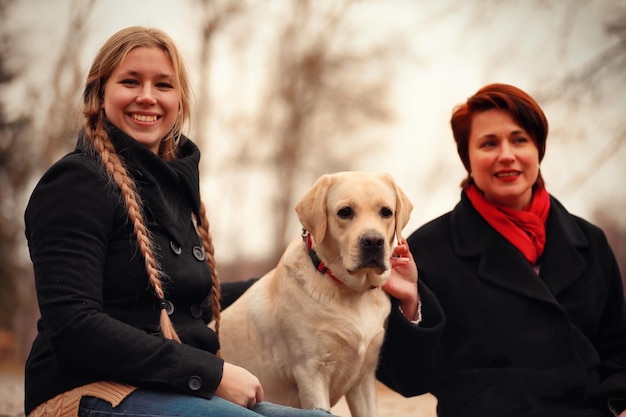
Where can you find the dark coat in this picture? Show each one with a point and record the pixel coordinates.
(99, 315)
(514, 344)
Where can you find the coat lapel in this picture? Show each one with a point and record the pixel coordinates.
(170, 189)
(562, 262)
(501, 264)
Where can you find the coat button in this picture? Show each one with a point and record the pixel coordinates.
(198, 253)
(196, 311)
(195, 383)
(176, 248)
(169, 307)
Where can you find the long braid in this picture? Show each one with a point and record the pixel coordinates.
(117, 171)
(109, 57)
(209, 249)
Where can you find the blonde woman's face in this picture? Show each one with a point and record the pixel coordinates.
(141, 97)
(503, 158)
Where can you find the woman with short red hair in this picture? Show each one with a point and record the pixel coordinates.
(522, 300)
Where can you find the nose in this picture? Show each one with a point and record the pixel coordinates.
(372, 242)
(506, 152)
(146, 96)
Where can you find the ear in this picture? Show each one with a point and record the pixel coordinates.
(311, 209)
(404, 207)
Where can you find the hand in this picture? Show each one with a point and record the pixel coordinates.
(402, 284)
(239, 386)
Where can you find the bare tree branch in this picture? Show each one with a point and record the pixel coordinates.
(216, 14)
(321, 90)
(66, 83)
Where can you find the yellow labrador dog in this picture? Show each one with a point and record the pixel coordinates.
(311, 329)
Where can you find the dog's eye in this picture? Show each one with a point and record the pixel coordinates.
(345, 213)
(386, 212)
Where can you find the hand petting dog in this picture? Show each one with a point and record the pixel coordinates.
(402, 284)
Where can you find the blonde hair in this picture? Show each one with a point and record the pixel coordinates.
(111, 54)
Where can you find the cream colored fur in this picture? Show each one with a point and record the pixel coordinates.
(311, 340)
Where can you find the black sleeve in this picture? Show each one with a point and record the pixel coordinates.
(231, 291)
(408, 356)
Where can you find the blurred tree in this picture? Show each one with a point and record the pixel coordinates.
(214, 15)
(15, 167)
(593, 84)
(26, 149)
(60, 127)
(323, 93)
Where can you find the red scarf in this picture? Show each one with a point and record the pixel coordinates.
(525, 229)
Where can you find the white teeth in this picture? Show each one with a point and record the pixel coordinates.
(142, 118)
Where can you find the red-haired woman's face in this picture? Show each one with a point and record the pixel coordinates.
(504, 159)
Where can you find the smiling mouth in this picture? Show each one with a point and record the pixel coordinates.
(144, 118)
(508, 174)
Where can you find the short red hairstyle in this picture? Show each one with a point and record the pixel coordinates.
(524, 109)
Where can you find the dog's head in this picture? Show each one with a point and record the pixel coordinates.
(354, 219)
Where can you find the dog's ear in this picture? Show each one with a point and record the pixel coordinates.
(404, 207)
(311, 208)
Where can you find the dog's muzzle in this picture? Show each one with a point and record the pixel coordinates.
(372, 251)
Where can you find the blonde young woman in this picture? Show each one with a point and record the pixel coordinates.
(123, 258)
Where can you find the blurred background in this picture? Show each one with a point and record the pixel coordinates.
(287, 90)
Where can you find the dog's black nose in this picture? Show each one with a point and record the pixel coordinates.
(372, 241)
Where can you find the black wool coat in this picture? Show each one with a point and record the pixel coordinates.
(515, 343)
(99, 315)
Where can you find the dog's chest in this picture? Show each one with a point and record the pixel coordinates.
(351, 343)
(358, 334)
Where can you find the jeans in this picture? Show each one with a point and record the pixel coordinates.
(145, 403)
